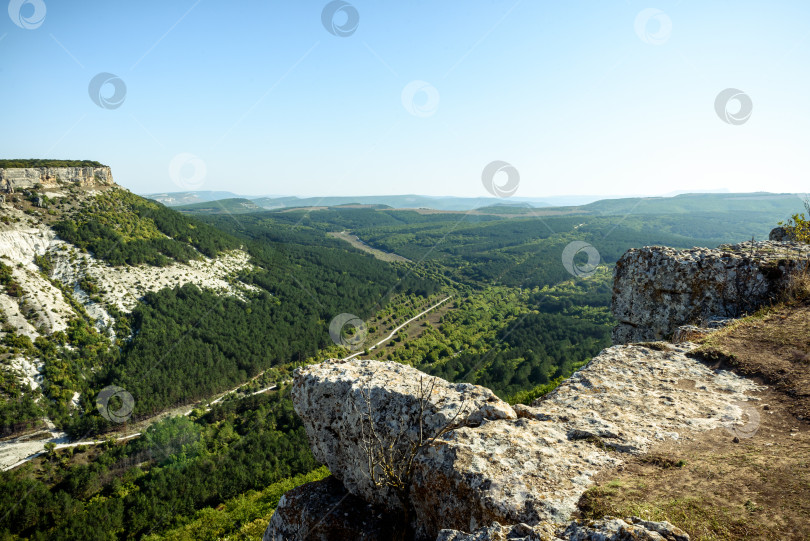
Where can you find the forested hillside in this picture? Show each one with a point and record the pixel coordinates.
(122, 228)
(158, 481)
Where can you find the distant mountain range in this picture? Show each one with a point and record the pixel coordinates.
(175, 199)
(216, 202)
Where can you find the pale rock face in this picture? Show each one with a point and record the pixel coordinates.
(23, 178)
(18, 247)
(122, 286)
(657, 289)
(28, 370)
(332, 396)
(496, 468)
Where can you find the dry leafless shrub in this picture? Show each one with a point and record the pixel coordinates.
(798, 286)
(391, 455)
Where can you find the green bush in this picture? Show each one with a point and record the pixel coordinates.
(798, 226)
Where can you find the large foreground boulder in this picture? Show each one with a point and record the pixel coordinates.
(492, 466)
(523, 471)
(657, 289)
(535, 469)
(353, 409)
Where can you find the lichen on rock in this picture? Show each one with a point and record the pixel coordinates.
(607, 529)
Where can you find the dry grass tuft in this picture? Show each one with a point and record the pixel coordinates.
(798, 288)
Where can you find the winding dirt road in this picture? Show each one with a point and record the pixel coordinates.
(394, 332)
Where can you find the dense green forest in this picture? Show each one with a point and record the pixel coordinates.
(159, 481)
(471, 248)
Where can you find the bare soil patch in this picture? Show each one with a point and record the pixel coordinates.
(740, 483)
(355, 241)
(774, 347)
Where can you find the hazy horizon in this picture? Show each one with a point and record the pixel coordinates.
(328, 99)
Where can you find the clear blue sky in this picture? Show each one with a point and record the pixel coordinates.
(576, 95)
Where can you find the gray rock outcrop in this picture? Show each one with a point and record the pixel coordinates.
(494, 467)
(338, 399)
(18, 178)
(658, 289)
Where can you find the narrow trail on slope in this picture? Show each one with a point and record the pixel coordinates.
(394, 332)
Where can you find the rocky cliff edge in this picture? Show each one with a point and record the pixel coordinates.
(18, 178)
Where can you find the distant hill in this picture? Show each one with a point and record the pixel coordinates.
(173, 199)
(236, 205)
(784, 204)
(395, 201)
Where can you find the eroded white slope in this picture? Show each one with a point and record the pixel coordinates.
(120, 287)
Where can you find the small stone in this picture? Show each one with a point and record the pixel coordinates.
(736, 439)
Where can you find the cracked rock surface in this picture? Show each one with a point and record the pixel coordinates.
(657, 289)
